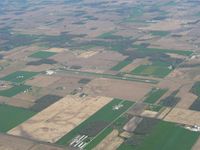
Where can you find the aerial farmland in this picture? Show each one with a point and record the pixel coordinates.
(99, 75)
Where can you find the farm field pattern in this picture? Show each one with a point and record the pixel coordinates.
(100, 75)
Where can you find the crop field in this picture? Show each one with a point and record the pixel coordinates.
(182, 139)
(196, 89)
(62, 118)
(43, 54)
(156, 69)
(104, 118)
(153, 107)
(160, 33)
(14, 90)
(121, 65)
(19, 76)
(8, 119)
(166, 136)
(158, 50)
(155, 95)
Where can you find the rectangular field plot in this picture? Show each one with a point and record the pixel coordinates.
(121, 65)
(160, 33)
(45, 102)
(155, 95)
(12, 116)
(60, 118)
(156, 69)
(42, 54)
(159, 50)
(165, 136)
(196, 89)
(96, 127)
(164, 132)
(14, 90)
(19, 76)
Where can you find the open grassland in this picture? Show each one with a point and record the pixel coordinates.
(107, 114)
(155, 95)
(14, 90)
(156, 69)
(12, 116)
(19, 76)
(43, 54)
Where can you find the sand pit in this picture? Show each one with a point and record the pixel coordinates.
(43, 81)
(60, 118)
(183, 116)
(111, 142)
(133, 91)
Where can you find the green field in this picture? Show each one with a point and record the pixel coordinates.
(43, 54)
(166, 136)
(12, 116)
(156, 69)
(19, 76)
(160, 33)
(14, 90)
(155, 95)
(169, 136)
(105, 114)
(196, 89)
(121, 65)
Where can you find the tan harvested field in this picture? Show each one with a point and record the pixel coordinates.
(132, 91)
(170, 24)
(38, 68)
(174, 44)
(20, 53)
(149, 114)
(100, 62)
(32, 95)
(8, 142)
(169, 83)
(66, 85)
(57, 50)
(187, 98)
(183, 116)
(111, 142)
(131, 125)
(43, 80)
(12, 143)
(16, 102)
(58, 119)
(45, 147)
(19, 103)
